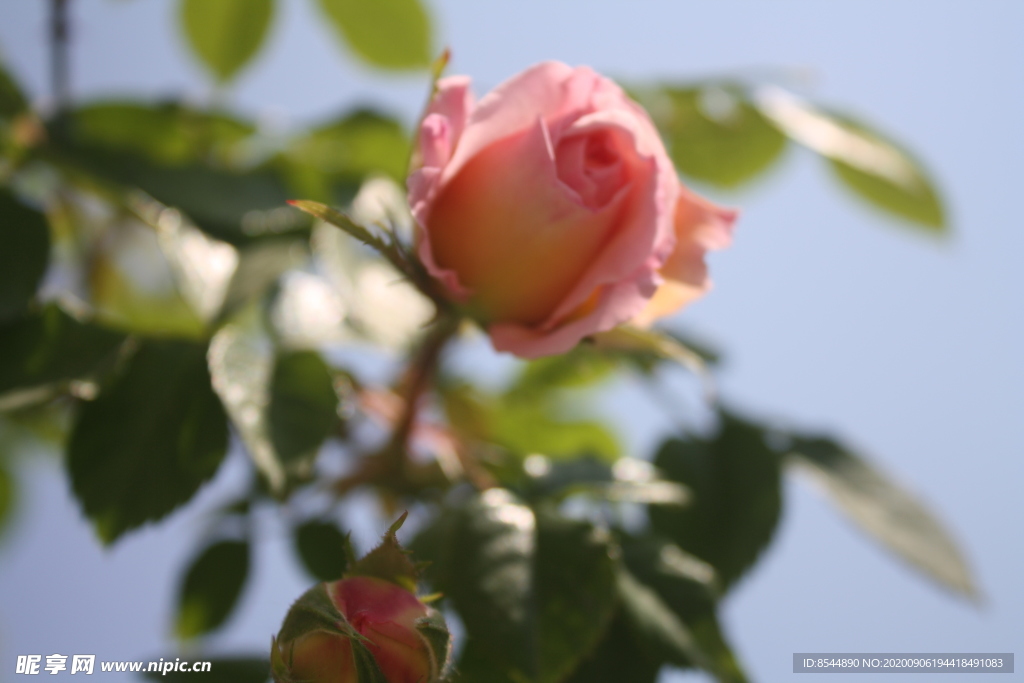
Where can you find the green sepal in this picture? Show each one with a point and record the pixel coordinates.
(389, 560)
(434, 632)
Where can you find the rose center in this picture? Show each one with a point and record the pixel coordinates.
(590, 164)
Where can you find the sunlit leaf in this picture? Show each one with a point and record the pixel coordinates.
(885, 510)
(715, 135)
(627, 480)
(737, 499)
(211, 588)
(323, 549)
(49, 347)
(536, 593)
(24, 253)
(226, 34)
(148, 442)
(875, 168)
(241, 362)
(259, 267)
(393, 34)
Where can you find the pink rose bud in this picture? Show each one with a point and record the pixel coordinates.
(552, 211)
(366, 627)
(385, 615)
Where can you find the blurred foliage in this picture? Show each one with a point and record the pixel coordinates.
(158, 296)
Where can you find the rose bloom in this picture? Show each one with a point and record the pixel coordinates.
(551, 210)
(382, 612)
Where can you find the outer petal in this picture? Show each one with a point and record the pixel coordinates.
(700, 226)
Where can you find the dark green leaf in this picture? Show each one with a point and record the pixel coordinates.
(324, 550)
(687, 587)
(659, 630)
(211, 588)
(226, 34)
(715, 135)
(50, 346)
(7, 490)
(874, 167)
(231, 201)
(223, 669)
(535, 593)
(394, 34)
(153, 436)
(885, 511)
(12, 99)
(619, 658)
(303, 405)
(737, 496)
(24, 253)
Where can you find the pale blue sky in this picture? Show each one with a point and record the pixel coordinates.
(831, 315)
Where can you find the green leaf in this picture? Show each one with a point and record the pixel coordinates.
(323, 549)
(865, 161)
(211, 588)
(393, 34)
(153, 436)
(226, 34)
(24, 253)
(687, 586)
(330, 161)
(12, 99)
(535, 592)
(241, 362)
(715, 135)
(885, 511)
(7, 495)
(646, 347)
(187, 160)
(659, 630)
(737, 498)
(618, 658)
(628, 480)
(226, 669)
(168, 133)
(580, 368)
(303, 405)
(49, 346)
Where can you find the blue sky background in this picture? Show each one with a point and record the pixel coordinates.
(831, 315)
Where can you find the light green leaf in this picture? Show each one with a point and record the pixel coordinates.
(886, 511)
(226, 34)
(737, 497)
(153, 436)
(211, 588)
(393, 34)
(536, 593)
(715, 135)
(873, 167)
(24, 253)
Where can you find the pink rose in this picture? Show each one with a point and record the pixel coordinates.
(383, 613)
(552, 211)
